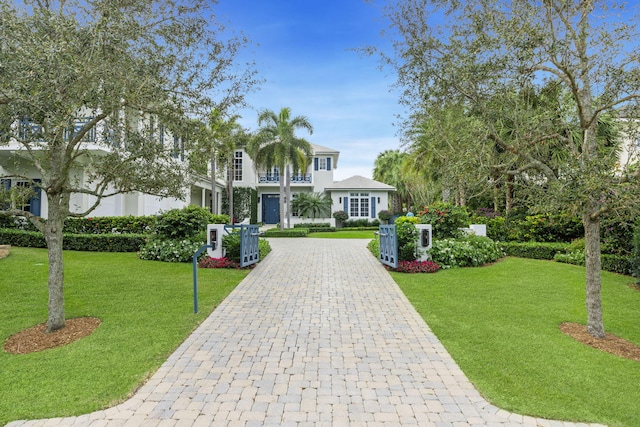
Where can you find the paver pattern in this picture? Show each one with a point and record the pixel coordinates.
(318, 334)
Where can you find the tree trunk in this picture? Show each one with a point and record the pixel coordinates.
(53, 236)
(288, 184)
(282, 212)
(508, 204)
(214, 208)
(230, 190)
(595, 325)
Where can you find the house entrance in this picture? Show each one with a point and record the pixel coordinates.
(271, 208)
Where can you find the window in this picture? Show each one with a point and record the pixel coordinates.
(359, 205)
(322, 163)
(178, 148)
(237, 166)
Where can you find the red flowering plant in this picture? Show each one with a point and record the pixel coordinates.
(417, 267)
(209, 262)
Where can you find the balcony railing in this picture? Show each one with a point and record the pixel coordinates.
(268, 178)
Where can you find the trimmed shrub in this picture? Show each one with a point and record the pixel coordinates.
(617, 263)
(374, 246)
(291, 232)
(312, 225)
(110, 225)
(176, 250)
(76, 242)
(104, 242)
(533, 250)
(21, 238)
(358, 223)
(184, 223)
(469, 251)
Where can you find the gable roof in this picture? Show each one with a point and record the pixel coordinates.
(319, 149)
(358, 182)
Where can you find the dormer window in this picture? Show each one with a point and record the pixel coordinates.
(322, 164)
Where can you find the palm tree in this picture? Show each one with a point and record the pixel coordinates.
(275, 144)
(313, 205)
(387, 168)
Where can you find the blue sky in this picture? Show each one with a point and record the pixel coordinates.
(304, 51)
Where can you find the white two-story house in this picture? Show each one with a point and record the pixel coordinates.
(360, 197)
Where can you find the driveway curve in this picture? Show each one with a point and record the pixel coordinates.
(318, 334)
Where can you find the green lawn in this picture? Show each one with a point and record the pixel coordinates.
(500, 323)
(346, 234)
(146, 309)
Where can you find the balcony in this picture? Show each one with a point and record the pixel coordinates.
(270, 178)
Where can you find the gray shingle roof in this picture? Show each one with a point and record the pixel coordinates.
(358, 182)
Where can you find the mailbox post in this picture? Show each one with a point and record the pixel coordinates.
(424, 240)
(214, 240)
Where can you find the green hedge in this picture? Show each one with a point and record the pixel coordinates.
(615, 263)
(76, 242)
(291, 232)
(369, 228)
(533, 250)
(312, 225)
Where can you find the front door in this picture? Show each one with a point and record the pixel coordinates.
(270, 208)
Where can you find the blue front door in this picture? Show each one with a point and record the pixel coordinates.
(270, 208)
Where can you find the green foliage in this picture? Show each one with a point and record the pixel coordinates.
(243, 204)
(170, 250)
(291, 232)
(617, 264)
(318, 225)
(575, 257)
(550, 228)
(374, 246)
(312, 205)
(263, 248)
(110, 224)
(407, 234)
(616, 235)
(360, 223)
(497, 227)
(384, 215)
(185, 223)
(468, 251)
(533, 250)
(76, 242)
(445, 219)
(635, 258)
(340, 216)
(231, 243)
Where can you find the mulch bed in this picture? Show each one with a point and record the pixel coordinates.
(610, 343)
(35, 339)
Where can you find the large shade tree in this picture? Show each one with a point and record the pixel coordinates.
(276, 145)
(488, 53)
(93, 101)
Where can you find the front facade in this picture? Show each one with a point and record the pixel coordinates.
(17, 170)
(360, 197)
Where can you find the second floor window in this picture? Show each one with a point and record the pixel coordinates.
(322, 163)
(237, 166)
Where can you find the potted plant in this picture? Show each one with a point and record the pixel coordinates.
(340, 217)
(384, 216)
